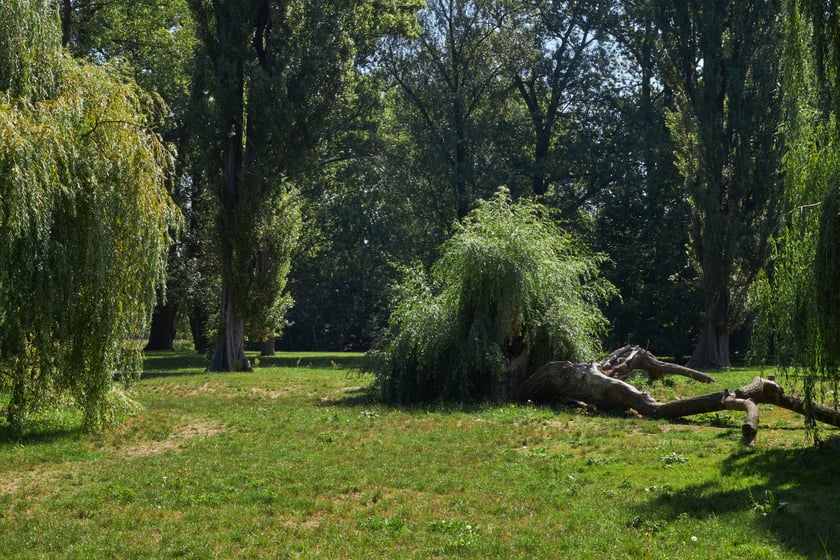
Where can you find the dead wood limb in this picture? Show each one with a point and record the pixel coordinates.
(625, 360)
(765, 391)
(566, 382)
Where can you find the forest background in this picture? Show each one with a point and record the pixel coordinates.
(323, 149)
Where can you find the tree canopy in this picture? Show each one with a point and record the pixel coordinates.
(722, 60)
(323, 148)
(277, 69)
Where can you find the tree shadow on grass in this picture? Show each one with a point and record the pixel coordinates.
(797, 502)
(34, 434)
(173, 364)
(178, 363)
(352, 397)
(320, 360)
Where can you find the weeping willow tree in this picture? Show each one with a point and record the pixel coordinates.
(84, 221)
(799, 323)
(511, 291)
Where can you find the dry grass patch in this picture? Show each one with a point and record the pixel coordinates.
(206, 388)
(28, 481)
(275, 393)
(187, 390)
(38, 479)
(177, 440)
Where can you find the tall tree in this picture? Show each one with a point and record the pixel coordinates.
(562, 68)
(722, 61)
(84, 219)
(445, 77)
(279, 67)
(642, 214)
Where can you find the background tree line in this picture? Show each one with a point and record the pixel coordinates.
(324, 146)
(432, 107)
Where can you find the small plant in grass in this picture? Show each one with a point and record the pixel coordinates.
(769, 506)
(672, 459)
(460, 533)
(383, 524)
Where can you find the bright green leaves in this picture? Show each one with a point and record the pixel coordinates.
(799, 299)
(509, 282)
(85, 225)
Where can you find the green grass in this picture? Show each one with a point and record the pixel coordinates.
(295, 460)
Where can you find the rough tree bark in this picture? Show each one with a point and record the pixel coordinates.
(601, 384)
(267, 347)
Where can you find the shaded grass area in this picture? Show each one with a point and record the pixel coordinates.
(295, 460)
(166, 364)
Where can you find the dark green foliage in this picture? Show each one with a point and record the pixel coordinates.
(509, 281)
(277, 70)
(725, 130)
(827, 281)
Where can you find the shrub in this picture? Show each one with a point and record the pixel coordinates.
(510, 284)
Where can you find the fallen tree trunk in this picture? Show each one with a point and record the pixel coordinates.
(598, 384)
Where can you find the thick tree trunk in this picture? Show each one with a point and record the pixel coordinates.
(66, 22)
(592, 384)
(268, 347)
(198, 328)
(162, 333)
(539, 174)
(712, 350)
(229, 354)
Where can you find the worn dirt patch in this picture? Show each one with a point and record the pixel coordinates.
(184, 390)
(205, 389)
(284, 392)
(14, 480)
(180, 435)
(43, 476)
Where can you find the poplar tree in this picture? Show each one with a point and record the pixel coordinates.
(722, 61)
(278, 68)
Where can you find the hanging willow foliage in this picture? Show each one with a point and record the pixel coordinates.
(84, 221)
(509, 283)
(827, 284)
(799, 300)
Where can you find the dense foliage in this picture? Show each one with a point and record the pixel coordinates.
(276, 70)
(509, 284)
(725, 126)
(84, 220)
(799, 323)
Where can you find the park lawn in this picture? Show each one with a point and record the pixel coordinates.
(295, 460)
